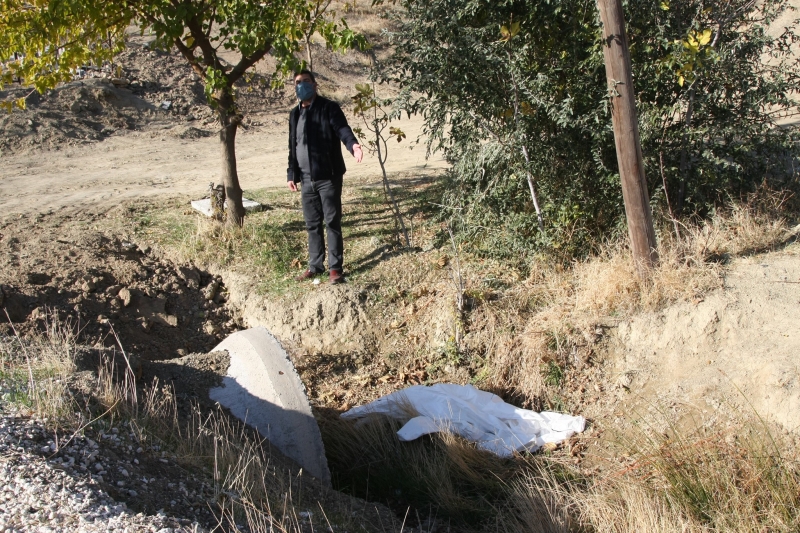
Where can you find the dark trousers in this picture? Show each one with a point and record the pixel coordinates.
(322, 201)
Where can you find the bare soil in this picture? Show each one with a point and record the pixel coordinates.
(63, 268)
(733, 351)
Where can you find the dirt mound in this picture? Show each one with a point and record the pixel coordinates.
(78, 112)
(159, 310)
(144, 88)
(329, 320)
(736, 349)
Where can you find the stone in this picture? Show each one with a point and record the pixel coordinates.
(88, 286)
(126, 296)
(211, 290)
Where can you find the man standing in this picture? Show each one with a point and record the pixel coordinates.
(316, 126)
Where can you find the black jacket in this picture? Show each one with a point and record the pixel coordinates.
(326, 126)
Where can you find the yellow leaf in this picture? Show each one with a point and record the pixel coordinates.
(680, 81)
(21, 103)
(514, 28)
(705, 37)
(665, 6)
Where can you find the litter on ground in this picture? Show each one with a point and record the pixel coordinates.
(475, 415)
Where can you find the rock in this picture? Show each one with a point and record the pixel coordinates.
(211, 290)
(211, 328)
(37, 314)
(88, 286)
(625, 380)
(125, 295)
(152, 309)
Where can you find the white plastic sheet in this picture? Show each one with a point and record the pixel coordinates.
(476, 415)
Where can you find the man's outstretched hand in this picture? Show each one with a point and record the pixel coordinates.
(357, 153)
(292, 186)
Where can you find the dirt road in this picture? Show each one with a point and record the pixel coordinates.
(149, 164)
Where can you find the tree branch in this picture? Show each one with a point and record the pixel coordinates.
(247, 62)
(190, 57)
(204, 43)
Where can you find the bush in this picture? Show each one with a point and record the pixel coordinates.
(514, 93)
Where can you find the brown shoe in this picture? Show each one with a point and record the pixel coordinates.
(336, 276)
(308, 274)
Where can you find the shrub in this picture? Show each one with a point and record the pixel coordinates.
(514, 93)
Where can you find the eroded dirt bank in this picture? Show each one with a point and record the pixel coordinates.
(735, 349)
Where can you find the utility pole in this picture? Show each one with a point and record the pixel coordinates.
(626, 136)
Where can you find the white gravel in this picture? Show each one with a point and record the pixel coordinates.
(41, 491)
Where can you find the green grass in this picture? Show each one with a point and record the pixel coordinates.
(271, 246)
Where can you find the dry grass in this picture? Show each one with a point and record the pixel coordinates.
(444, 478)
(741, 479)
(38, 378)
(554, 314)
(35, 372)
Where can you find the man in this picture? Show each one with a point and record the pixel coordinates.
(316, 126)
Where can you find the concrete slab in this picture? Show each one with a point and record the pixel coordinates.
(204, 205)
(263, 389)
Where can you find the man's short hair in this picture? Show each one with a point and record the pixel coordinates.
(305, 71)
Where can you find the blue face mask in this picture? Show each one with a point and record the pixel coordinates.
(304, 90)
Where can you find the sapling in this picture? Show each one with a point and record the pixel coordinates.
(376, 120)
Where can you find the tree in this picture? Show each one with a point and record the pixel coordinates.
(707, 100)
(376, 119)
(55, 36)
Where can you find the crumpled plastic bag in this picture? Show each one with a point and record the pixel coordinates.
(474, 414)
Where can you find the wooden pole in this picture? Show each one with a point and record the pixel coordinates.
(626, 136)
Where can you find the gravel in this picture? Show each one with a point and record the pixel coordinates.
(47, 486)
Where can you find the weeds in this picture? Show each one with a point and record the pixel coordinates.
(709, 480)
(38, 377)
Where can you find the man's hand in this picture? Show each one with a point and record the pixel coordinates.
(357, 153)
(292, 186)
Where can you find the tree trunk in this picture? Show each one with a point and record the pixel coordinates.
(229, 124)
(308, 52)
(382, 160)
(626, 136)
